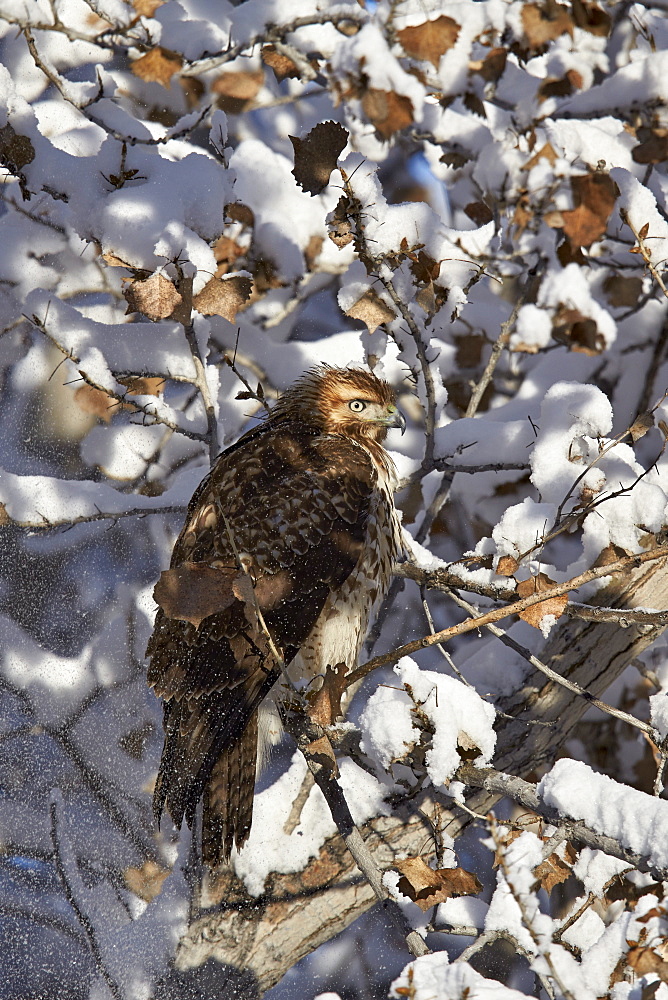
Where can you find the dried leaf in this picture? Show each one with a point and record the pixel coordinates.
(479, 213)
(113, 261)
(97, 402)
(621, 290)
(194, 591)
(507, 566)
(545, 152)
(227, 251)
(641, 425)
(654, 148)
(4, 516)
(317, 154)
(427, 887)
(223, 296)
(430, 40)
(145, 882)
(238, 212)
(139, 385)
(339, 225)
(146, 8)
(551, 872)
(594, 197)
(157, 66)
(371, 309)
(282, 65)
(155, 297)
(236, 90)
(423, 267)
(644, 960)
(492, 66)
(474, 104)
(559, 86)
(312, 251)
(325, 703)
(577, 331)
(505, 841)
(16, 151)
(387, 111)
(590, 17)
(544, 22)
(554, 606)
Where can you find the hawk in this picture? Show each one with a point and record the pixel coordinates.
(302, 509)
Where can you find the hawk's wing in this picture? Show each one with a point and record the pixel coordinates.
(297, 503)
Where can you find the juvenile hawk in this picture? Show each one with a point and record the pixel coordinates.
(305, 501)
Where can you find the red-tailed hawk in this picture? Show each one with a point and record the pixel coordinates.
(304, 503)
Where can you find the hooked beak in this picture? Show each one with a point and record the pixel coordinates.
(397, 419)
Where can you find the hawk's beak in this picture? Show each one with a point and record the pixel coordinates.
(397, 419)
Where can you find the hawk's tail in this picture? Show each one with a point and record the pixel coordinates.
(228, 798)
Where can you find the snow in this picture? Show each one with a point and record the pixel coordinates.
(636, 820)
(433, 976)
(595, 869)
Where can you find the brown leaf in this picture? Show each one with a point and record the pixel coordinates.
(139, 385)
(545, 152)
(113, 261)
(594, 197)
(238, 212)
(145, 882)
(155, 297)
(146, 8)
(590, 17)
(621, 290)
(323, 752)
(534, 614)
(371, 309)
(194, 591)
(16, 151)
(551, 872)
(505, 841)
(492, 66)
(223, 297)
(339, 225)
(423, 267)
(387, 111)
(559, 86)
(427, 887)
(479, 213)
(317, 154)
(325, 703)
(158, 65)
(507, 566)
(640, 426)
(654, 148)
(544, 22)
(96, 401)
(4, 516)
(282, 65)
(644, 960)
(312, 251)
(578, 332)
(236, 90)
(430, 40)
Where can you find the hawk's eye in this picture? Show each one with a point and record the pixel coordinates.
(357, 405)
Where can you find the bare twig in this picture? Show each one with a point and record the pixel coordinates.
(645, 252)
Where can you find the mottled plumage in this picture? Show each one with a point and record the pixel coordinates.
(307, 498)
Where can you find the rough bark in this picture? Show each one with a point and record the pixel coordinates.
(263, 938)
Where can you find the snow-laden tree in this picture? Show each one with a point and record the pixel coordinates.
(200, 200)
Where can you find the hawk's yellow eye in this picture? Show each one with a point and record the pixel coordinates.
(357, 405)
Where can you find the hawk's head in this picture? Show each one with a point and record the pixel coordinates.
(347, 401)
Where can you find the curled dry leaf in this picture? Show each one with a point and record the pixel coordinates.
(551, 872)
(545, 152)
(157, 66)
(427, 887)
(282, 66)
(316, 155)
(141, 385)
(339, 224)
(223, 296)
(644, 960)
(155, 297)
(325, 703)
(641, 425)
(492, 66)
(653, 148)
(507, 566)
(16, 151)
(594, 197)
(543, 22)
(430, 40)
(371, 309)
(145, 882)
(577, 331)
(98, 402)
(387, 111)
(236, 90)
(4, 516)
(193, 591)
(553, 606)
